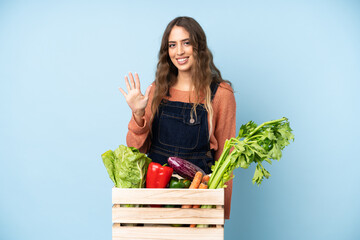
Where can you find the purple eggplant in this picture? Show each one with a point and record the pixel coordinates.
(184, 168)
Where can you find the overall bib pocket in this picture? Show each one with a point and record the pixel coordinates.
(179, 131)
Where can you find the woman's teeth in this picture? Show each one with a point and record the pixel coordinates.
(182, 60)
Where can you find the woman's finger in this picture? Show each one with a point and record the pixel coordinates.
(123, 92)
(127, 83)
(147, 92)
(132, 82)
(137, 81)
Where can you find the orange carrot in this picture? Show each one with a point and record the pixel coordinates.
(196, 180)
(205, 179)
(201, 186)
(194, 184)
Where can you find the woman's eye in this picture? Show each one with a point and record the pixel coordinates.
(187, 43)
(171, 45)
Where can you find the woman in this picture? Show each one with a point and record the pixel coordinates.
(189, 111)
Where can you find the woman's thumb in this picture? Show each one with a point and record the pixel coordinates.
(147, 92)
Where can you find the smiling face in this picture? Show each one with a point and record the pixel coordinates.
(180, 49)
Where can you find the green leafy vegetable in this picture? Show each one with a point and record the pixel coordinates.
(126, 166)
(253, 144)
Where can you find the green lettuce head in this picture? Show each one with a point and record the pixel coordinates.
(126, 166)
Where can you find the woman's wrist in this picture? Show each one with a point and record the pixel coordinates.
(139, 118)
(139, 113)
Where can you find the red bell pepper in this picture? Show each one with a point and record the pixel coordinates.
(158, 176)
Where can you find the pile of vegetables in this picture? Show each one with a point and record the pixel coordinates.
(128, 168)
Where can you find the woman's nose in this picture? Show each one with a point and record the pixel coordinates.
(180, 50)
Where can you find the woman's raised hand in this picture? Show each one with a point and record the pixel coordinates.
(134, 98)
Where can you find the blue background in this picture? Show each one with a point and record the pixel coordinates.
(61, 64)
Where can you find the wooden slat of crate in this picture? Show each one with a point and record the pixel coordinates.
(168, 233)
(168, 196)
(167, 215)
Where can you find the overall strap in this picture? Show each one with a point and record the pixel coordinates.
(213, 87)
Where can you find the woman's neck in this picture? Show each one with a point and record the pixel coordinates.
(184, 82)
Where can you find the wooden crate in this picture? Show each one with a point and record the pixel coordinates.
(154, 223)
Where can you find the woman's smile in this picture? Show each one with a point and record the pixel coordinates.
(182, 61)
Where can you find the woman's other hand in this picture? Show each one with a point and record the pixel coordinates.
(134, 98)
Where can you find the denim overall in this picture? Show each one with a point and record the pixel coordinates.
(176, 133)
